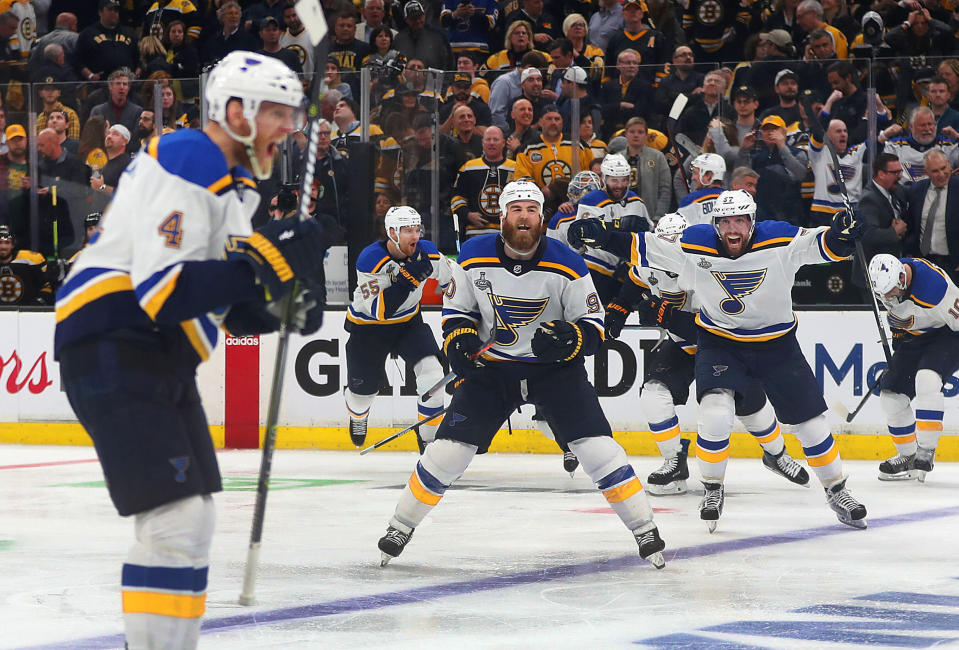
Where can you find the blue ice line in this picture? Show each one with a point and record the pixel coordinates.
(476, 585)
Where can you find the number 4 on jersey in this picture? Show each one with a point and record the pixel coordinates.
(171, 230)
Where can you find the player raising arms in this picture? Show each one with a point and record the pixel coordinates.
(741, 272)
(141, 309)
(923, 311)
(385, 317)
(547, 317)
(617, 205)
(663, 302)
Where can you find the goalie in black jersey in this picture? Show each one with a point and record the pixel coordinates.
(537, 297)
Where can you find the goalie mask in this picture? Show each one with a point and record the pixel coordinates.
(582, 184)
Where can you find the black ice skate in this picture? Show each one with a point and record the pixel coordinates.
(650, 544)
(711, 507)
(570, 462)
(898, 468)
(847, 509)
(924, 462)
(787, 467)
(392, 543)
(671, 477)
(358, 431)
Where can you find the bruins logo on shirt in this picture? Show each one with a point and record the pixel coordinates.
(299, 51)
(738, 284)
(512, 313)
(555, 170)
(489, 200)
(11, 287)
(710, 12)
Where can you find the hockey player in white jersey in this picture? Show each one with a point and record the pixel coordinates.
(669, 371)
(538, 297)
(741, 272)
(615, 204)
(922, 305)
(827, 197)
(174, 260)
(708, 172)
(384, 317)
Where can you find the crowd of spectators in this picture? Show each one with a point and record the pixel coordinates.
(493, 87)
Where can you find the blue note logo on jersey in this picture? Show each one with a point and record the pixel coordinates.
(512, 313)
(900, 323)
(737, 284)
(677, 298)
(180, 464)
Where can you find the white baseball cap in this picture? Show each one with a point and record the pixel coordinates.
(575, 74)
(530, 72)
(122, 130)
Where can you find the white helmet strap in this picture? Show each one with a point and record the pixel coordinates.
(247, 141)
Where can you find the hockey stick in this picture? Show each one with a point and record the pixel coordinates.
(688, 145)
(679, 105)
(844, 413)
(311, 16)
(820, 133)
(412, 427)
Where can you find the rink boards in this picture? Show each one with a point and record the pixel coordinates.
(841, 347)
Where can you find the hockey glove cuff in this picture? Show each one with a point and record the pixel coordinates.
(587, 232)
(616, 315)
(846, 227)
(557, 341)
(656, 312)
(462, 347)
(281, 252)
(631, 223)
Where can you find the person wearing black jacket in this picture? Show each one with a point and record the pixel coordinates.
(884, 214)
(628, 96)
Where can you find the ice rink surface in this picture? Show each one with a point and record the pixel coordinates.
(516, 555)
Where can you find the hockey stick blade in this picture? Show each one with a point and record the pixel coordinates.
(391, 438)
(679, 105)
(840, 409)
(686, 143)
(310, 13)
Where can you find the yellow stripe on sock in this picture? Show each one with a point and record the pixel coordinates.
(668, 434)
(623, 492)
(901, 440)
(772, 436)
(175, 605)
(825, 459)
(421, 493)
(928, 425)
(712, 456)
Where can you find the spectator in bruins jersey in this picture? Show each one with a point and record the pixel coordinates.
(649, 44)
(552, 157)
(347, 127)
(163, 13)
(391, 163)
(476, 191)
(517, 43)
(50, 97)
(23, 276)
(588, 57)
(627, 95)
(461, 95)
(542, 24)
(182, 58)
(479, 87)
(716, 29)
(104, 47)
